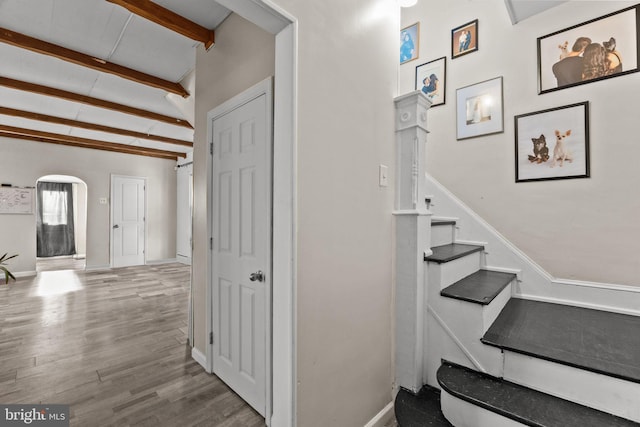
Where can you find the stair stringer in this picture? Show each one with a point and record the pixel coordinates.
(453, 329)
(534, 282)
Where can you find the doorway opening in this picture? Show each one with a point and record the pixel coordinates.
(61, 223)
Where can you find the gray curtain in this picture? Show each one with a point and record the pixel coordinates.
(54, 222)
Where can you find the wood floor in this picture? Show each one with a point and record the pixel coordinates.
(59, 263)
(113, 345)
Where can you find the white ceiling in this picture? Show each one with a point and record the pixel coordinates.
(109, 32)
(523, 9)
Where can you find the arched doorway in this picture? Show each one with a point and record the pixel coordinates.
(61, 223)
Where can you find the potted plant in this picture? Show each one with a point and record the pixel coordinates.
(7, 273)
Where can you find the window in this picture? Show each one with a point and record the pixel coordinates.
(54, 207)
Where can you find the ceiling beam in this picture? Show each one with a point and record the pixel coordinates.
(55, 138)
(88, 100)
(168, 19)
(40, 46)
(91, 126)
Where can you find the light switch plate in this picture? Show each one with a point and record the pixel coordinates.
(383, 176)
(103, 200)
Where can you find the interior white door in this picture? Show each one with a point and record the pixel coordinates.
(184, 214)
(241, 255)
(127, 221)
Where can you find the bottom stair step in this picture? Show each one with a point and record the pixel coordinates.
(418, 410)
(522, 404)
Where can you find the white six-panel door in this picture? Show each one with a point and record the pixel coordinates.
(241, 248)
(127, 221)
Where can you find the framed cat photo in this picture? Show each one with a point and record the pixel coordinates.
(602, 48)
(431, 79)
(553, 144)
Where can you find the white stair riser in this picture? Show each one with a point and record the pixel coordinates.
(493, 309)
(461, 413)
(458, 340)
(607, 394)
(448, 273)
(441, 235)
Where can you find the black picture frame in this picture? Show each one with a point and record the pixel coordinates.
(460, 47)
(568, 126)
(437, 67)
(623, 26)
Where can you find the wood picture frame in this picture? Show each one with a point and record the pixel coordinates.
(602, 48)
(553, 143)
(431, 79)
(409, 43)
(479, 109)
(464, 39)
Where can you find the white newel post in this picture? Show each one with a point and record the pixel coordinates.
(413, 227)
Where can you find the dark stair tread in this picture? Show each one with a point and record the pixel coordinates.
(452, 251)
(598, 341)
(480, 287)
(418, 410)
(519, 403)
(436, 222)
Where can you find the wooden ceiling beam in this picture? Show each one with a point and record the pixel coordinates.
(55, 138)
(88, 100)
(91, 126)
(40, 46)
(168, 19)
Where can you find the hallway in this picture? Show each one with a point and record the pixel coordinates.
(112, 344)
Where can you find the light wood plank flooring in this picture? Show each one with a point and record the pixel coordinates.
(112, 344)
(59, 263)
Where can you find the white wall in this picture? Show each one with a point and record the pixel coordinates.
(347, 69)
(583, 229)
(23, 162)
(242, 56)
(183, 209)
(80, 217)
(347, 79)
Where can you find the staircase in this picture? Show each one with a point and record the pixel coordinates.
(497, 359)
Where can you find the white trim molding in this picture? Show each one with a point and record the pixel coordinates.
(382, 417)
(534, 282)
(201, 358)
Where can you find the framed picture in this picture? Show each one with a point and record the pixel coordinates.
(599, 49)
(409, 43)
(553, 143)
(431, 79)
(464, 39)
(479, 109)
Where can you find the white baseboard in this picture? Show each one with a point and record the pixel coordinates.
(183, 259)
(199, 357)
(25, 274)
(382, 417)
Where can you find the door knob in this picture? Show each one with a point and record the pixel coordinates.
(258, 275)
(116, 226)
